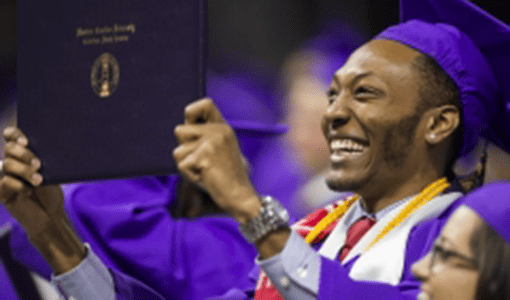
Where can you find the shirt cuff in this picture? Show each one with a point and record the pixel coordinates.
(295, 271)
(89, 280)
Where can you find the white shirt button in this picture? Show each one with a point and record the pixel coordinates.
(285, 282)
(302, 272)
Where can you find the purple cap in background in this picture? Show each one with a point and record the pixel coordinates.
(336, 40)
(244, 105)
(492, 203)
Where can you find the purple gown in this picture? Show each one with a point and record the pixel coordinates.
(118, 228)
(336, 284)
(334, 279)
(8, 291)
(128, 224)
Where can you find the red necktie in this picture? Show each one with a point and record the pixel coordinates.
(354, 234)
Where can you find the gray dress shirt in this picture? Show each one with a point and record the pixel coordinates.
(295, 271)
(89, 280)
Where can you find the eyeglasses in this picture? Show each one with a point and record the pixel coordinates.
(440, 257)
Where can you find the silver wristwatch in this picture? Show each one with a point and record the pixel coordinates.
(272, 216)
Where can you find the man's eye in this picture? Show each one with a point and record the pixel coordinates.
(331, 94)
(363, 90)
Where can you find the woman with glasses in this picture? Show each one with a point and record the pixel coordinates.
(471, 257)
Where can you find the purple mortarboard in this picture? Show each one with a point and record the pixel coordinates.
(473, 48)
(244, 106)
(336, 40)
(492, 203)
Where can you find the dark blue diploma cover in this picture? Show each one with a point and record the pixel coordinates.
(102, 84)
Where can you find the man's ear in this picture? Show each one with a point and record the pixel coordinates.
(442, 122)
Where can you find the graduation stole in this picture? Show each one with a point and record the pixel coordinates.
(317, 226)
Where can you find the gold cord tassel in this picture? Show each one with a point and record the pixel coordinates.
(330, 218)
(426, 195)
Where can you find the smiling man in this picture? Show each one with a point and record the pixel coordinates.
(386, 145)
(376, 128)
(400, 111)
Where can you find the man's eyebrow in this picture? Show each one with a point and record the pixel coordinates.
(356, 78)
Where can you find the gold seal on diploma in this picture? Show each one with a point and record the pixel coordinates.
(104, 76)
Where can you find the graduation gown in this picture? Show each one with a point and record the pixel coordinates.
(129, 227)
(383, 272)
(336, 283)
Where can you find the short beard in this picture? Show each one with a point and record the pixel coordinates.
(396, 146)
(344, 185)
(398, 140)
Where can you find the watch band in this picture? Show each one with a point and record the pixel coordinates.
(271, 217)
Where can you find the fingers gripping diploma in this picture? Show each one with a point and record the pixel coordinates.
(19, 184)
(39, 209)
(208, 154)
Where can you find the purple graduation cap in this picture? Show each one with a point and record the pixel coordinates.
(245, 106)
(473, 48)
(336, 40)
(492, 203)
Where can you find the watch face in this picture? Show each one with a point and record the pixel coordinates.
(267, 200)
(284, 215)
(279, 209)
(271, 217)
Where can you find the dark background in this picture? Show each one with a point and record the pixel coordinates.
(270, 29)
(261, 29)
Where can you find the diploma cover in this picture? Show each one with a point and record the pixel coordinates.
(102, 84)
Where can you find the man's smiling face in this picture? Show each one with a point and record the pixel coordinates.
(372, 125)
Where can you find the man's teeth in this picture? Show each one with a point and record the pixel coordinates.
(347, 145)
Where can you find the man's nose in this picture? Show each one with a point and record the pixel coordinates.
(337, 114)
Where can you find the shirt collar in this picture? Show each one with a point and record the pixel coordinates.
(360, 212)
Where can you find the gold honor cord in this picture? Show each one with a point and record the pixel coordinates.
(330, 218)
(426, 195)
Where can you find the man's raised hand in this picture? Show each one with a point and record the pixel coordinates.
(39, 209)
(208, 154)
(32, 205)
